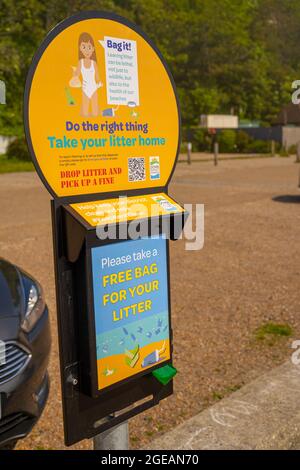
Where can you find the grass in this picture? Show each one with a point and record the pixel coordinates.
(271, 331)
(13, 165)
(160, 428)
(233, 388)
(218, 395)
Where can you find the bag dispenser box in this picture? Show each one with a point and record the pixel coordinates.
(124, 305)
(106, 150)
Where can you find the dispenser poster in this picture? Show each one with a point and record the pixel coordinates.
(130, 289)
(100, 111)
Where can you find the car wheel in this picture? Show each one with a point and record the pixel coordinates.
(9, 446)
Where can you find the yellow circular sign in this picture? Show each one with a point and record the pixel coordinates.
(101, 113)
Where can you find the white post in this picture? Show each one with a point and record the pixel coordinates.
(273, 148)
(189, 152)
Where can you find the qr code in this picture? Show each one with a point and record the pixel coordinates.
(136, 169)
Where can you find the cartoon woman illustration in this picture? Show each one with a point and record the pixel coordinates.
(88, 68)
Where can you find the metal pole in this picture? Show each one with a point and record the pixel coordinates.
(272, 148)
(189, 151)
(298, 153)
(216, 152)
(116, 438)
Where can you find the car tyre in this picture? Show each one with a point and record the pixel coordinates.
(9, 445)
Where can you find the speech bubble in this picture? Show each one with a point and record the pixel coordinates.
(131, 104)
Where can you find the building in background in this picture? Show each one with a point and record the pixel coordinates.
(219, 121)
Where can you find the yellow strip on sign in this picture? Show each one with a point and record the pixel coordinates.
(110, 211)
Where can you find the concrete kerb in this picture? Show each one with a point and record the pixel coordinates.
(264, 414)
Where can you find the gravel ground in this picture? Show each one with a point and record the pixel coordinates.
(246, 275)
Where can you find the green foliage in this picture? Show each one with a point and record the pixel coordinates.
(230, 141)
(283, 152)
(243, 141)
(227, 141)
(259, 146)
(292, 149)
(201, 140)
(13, 165)
(183, 147)
(272, 330)
(225, 55)
(17, 148)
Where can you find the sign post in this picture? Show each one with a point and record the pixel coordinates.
(103, 128)
(116, 438)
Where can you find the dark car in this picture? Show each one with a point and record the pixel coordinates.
(24, 352)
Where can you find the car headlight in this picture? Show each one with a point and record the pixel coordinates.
(35, 307)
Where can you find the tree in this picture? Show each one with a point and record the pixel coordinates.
(226, 56)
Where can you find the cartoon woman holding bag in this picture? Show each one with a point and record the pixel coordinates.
(88, 69)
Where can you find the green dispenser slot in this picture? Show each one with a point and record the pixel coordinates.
(165, 374)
